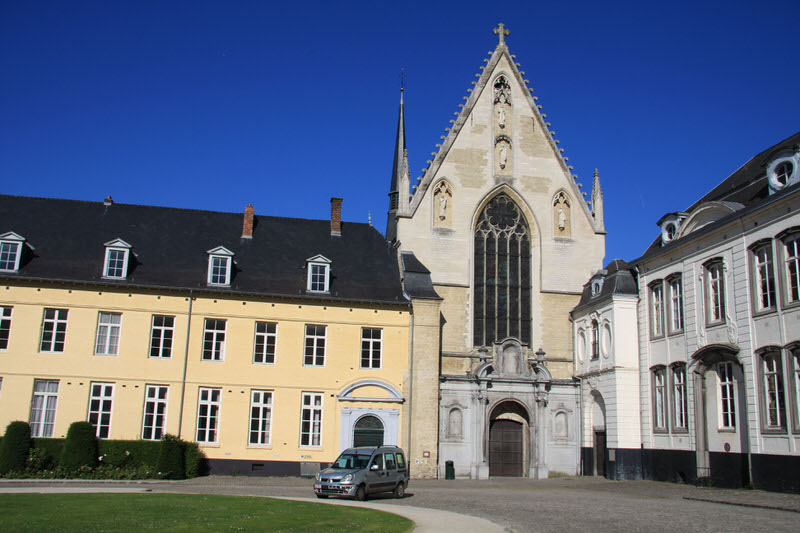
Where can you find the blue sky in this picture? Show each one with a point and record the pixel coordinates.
(213, 105)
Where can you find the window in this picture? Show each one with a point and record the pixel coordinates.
(659, 399)
(783, 172)
(319, 274)
(219, 266)
(675, 284)
(108, 327)
(264, 345)
(100, 404)
(772, 381)
(161, 335)
(10, 251)
(679, 401)
(315, 346)
(656, 309)
(54, 330)
(311, 420)
(371, 347)
(43, 407)
(715, 292)
(595, 340)
(502, 282)
(116, 262)
(727, 400)
(792, 268)
(5, 326)
(260, 417)
(795, 359)
(208, 415)
(764, 277)
(214, 340)
(155, 412)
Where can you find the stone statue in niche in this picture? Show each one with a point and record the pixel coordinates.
(561, 215)
(442, 206)
(503, 157)
(501, 117)
(442, 201)
(511, 359)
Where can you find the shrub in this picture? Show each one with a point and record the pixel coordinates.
(15, 447)
(50, 448)
(195, 460)
(130, 453)
(170, 458)
(80, 448)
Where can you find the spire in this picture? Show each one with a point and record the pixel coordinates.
(398, 188)
(597, 201)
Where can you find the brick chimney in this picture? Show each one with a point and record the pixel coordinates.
(247, 225)
(336, 217)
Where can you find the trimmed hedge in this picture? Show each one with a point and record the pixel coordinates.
(80, 447)
(170, 458)
(15, 447)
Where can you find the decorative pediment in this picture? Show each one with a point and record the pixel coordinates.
(220, 250)
(706, 214)
(394, 395)
(319, 258)
(11, 236)
(117, 243)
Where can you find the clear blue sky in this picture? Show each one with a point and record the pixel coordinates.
(213, 105)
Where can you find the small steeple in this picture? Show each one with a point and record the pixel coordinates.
(398, 188)
(597, 201)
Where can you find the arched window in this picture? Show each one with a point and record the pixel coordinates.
(368, 431)
(502, 274)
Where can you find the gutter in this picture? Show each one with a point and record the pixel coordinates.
(185, 363)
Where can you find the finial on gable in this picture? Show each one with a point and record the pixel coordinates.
(402, 79)
(501, 32)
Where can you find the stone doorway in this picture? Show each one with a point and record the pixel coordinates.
(368, 431)
(509, 440)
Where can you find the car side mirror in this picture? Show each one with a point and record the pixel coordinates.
(375, 467)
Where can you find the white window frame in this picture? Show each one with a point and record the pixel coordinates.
(51, 326)
(112, 247)
(315, 342)
(311, 416)
(371, 348)
(715, 292)
(260, 418)
(727, 396)
(217, 338)
(791, 268)
(157, 398)
(773, 402)
(103, 394)
(208, 424)
(680, 404)
(318, 274)
(657, 309)
(6, 313)
(660, 401)
(48, 403)
(224, 257)
(764, 290)
(595, 344)
(109, 333)
(265, 343)
(9, 241)
(794, 358)
(161, 344)
(676, 317)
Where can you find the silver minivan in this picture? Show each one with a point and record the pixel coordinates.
(359, 472)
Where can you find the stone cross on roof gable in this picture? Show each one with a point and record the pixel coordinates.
(501, 31)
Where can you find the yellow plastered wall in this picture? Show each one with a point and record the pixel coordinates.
(132, 369)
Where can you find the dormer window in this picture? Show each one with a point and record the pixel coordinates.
(10, 251)
(783, 171)
(219, 266)
(669, 224)
(116, 261)
(597, 286)
(319, 274)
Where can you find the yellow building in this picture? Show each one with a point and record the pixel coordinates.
(272, 342)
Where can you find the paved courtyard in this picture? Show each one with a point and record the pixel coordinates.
(566, 504)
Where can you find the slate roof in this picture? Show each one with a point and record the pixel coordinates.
(171, 247)
(617, 280)
(746, 187)
(417, 278)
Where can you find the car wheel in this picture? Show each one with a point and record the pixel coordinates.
(322, 496)
(400, 490)
(361, 493)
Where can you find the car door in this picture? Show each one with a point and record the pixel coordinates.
(376, 477)
(391, 470)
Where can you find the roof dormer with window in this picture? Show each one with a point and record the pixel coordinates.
(11, 251)
(117, 259)
(319, 274)
(783, 170)
(220, 261)
(669, 224)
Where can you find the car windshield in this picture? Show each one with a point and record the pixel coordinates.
(351, 460)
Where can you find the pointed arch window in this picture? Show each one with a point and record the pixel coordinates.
(502, 284)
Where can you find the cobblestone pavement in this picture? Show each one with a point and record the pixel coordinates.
(568, 504)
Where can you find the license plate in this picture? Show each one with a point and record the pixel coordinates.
(316, 486)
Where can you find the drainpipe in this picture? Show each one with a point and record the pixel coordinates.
(185, 361)
(410, 378)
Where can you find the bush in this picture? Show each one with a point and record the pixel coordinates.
(15, 447)
(170, 458)
(195, 460)
(80, 448)
(130, 453)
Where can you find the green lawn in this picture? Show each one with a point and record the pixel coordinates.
(180, 512)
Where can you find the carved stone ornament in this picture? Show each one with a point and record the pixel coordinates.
(502, 91)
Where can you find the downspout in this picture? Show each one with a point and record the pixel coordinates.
(185, 362)
(410, 376)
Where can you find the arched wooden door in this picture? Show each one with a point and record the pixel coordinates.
(368, 431)
(505, 448)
